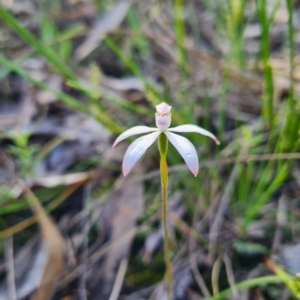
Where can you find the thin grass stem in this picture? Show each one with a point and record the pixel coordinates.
(268, 89)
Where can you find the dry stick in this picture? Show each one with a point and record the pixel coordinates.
(215, 275)
(193, 235)
(192, 245)
(222, 161)
(194, 266)
(185, 228)
(214, 230)
(119, 280)
(230, 276)
(280, 220)
(10, 277)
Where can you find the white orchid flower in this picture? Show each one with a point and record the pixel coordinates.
(163, 121)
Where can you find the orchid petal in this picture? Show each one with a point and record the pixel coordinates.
(133, 131)
(137, 149)
(186, 150)
(194, 128)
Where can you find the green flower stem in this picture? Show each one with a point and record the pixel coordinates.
(163, 148)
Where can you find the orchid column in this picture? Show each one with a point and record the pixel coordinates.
(186, 149)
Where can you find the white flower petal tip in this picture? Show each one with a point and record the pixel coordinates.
(195, 172)
(136, 150)
(133, 131)
(194, 128)
(124, 172)
(186, 150)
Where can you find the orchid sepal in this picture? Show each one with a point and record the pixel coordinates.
(186, 149)
(194, 128)
(136, 150)
(133, 131)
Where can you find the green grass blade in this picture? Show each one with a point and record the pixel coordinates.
(118, 101)
(260, 199)
(138, 40)
(10, 65)
(248, 284)
(34, 42)
(268, 88)
(99, 115)
(180, 35)
(292, 50)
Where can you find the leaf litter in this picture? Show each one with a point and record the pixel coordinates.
(97, 243)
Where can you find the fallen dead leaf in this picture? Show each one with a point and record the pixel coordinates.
(54, 247)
